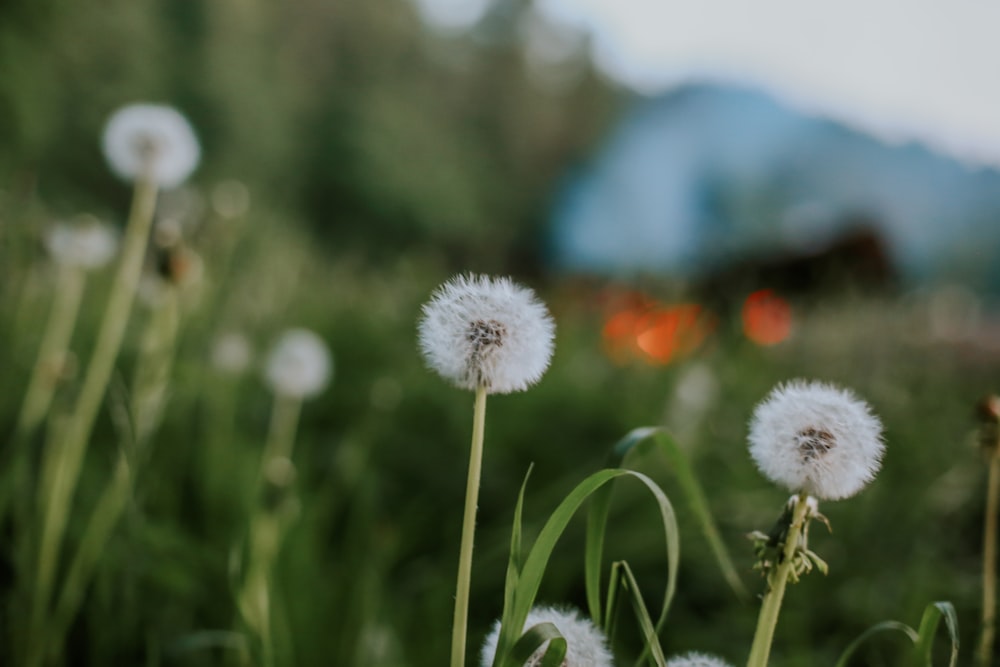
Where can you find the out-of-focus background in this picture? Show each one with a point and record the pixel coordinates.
(711, 199)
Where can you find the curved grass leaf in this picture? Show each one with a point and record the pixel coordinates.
(523, 597)
(533, 639)
(622, 573)
(928, 629)
(693, 492)
(884, 626)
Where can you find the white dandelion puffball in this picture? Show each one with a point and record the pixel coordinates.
(586, 645)
(480, 331)
(299, 364)
(816, 438)
(149, 133)
(86, 246)
(694, 659)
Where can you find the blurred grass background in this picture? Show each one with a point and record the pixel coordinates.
(380, 159)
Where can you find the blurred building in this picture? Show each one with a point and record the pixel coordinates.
(704, 178)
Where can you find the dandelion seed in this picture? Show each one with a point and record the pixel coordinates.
(490, 332)
(697, 660)
(86, 246)
(154, 138)
(816, 438)
(586, 645)
(299, 364)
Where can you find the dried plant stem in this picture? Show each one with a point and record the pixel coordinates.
(984, 653)
(64, 457)
(776, 582)
(461, 620)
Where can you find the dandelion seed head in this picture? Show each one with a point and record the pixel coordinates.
(89, 245)
(816, 438)
(586, 645)
(299, 364)
(154, 137)
(480, 331)
(695, 659)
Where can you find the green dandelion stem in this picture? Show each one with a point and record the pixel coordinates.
(984, 653)
(55, 341)
(460, 625)
(771, 606)
(56, 496)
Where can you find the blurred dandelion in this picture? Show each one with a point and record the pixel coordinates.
(151, 141)
(817, 439)
(299, 364)
(586, 645)
(299, 367)
(231, 353)
(85, 244)
(491, 336)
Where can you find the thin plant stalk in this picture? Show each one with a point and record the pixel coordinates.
(461, 620)
(52, 350)
(760, 651)
(56, 497)
(42, 384)
(984, 653)
(268, 525)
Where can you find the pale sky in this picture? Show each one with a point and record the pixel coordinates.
(925, 70)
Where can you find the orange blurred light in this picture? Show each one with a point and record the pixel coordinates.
(767, 318)
(673, 332)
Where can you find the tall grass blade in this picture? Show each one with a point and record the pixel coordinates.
(649, 631)
(884, 626)
(928, 629)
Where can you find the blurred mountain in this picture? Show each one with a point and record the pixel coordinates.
(706, 176)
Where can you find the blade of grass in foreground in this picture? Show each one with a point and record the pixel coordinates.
(664, 441)
(922, 639)
(515, 614)
(533, 639)
(928, 629)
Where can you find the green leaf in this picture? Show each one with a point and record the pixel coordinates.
(928, 629)
(532, 640)
(884, 626)
(667, 445)
(514, 561)
(519, 604)
(649, 631)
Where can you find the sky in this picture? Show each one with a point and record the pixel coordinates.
(922, 70)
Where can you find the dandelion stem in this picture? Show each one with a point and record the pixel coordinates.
(984, 653)
(55, 498)
(460, 625)
(768, 619)
(55, 340)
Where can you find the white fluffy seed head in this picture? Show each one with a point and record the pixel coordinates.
(89, 245)
(695, 659)
(816, 438)
(155, 135)
(299, 364)
(480, 331)
(586, 645)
